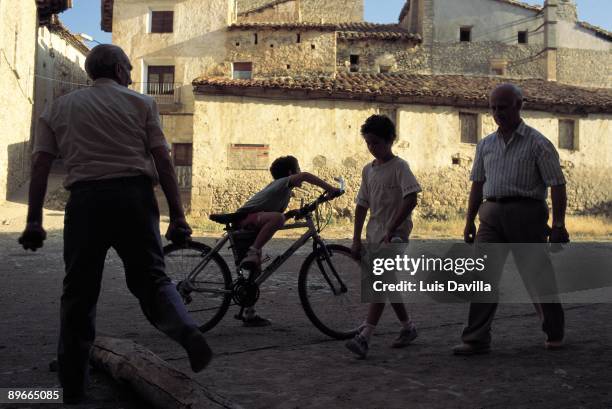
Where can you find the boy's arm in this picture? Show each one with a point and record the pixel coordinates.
(408, 205)
(360, 216)
(298, 179)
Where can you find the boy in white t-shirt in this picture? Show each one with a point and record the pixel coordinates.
(389, 191)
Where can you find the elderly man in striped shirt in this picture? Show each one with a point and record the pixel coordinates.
(512, 170)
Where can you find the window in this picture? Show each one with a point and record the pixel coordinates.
(255, 38)
(465, 34)
(567, 134)
(162, 21)
(522, 37)
(384, 69)
(497, 71)
(160, 80)
(498, 66)
(354, 61)
(469, 127)
(182, 154)
(243, 70)
(299, 38)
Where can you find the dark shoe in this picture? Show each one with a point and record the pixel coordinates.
(256, 321)
(358, 346)
(198, 351)
(406, 336)
(471, 349)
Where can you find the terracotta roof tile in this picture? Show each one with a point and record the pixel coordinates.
(47, 8)
(289, 25)
(346, 31)
(450, 90)
(598, 30)
(521, 4)
(56, 26)
(107, 15)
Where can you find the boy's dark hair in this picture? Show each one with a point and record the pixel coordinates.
(281, 167)
(381, 126)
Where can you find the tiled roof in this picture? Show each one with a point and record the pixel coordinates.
(107, 15)
(346, 31)
(47, 8)
(259, 7)
(521, 4)
(359, 31)
(448, 90)
(598, 30)
(290, 25)
(56, 26)
(405, 10)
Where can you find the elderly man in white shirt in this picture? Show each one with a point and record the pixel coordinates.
(512, 171)
(112, 144)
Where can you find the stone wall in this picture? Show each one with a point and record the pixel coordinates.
(336, 11)
(278, 53)
(324, 135)
(403, 56)
(524, 61)
(17, 66)
(280, 12)
(60, 66)
(316, 11)
(584, 67)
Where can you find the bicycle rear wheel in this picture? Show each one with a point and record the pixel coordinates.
(211, 292)
(335, 314)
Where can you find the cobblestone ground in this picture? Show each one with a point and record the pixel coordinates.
(292, 365)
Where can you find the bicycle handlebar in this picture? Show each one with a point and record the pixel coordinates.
(311, 207)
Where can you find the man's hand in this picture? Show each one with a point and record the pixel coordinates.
(356, 249)
(559, 235)
(33, 236)
(179, 231)
(469, 233)
(334, 192)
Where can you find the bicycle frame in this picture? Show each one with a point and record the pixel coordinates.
(273, 266)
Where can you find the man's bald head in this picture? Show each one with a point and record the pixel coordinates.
(506, 102)
(108, 61)
(508, 90)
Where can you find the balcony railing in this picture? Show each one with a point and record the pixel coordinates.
(167, 93)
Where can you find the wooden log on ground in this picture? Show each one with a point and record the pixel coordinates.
(152, 378)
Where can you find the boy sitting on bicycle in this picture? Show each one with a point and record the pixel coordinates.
(265, 213)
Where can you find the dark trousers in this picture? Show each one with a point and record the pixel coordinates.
(516, 222)
(123, 214)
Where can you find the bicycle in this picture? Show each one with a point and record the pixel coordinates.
(328, 284)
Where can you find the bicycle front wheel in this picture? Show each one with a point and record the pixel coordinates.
(330, 291)
(209, 293)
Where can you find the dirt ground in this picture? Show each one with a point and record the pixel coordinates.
(292, 365)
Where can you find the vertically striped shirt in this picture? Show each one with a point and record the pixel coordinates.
(525, 166)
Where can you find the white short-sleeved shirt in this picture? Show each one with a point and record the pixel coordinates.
(102, 132)
(525, 166)
(383, 189)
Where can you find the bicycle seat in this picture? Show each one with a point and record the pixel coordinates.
(228, 218)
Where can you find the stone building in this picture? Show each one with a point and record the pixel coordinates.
(60, 64)
(439, 120)
(510, 38)
(300, 76)
(19, 21)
